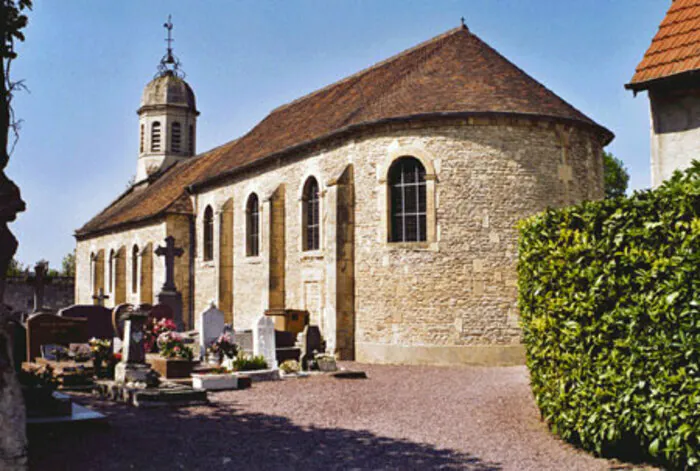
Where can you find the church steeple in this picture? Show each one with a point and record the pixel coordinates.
(167, 116)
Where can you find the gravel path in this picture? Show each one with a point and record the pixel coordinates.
(402, 417)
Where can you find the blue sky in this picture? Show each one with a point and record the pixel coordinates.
(86, 62)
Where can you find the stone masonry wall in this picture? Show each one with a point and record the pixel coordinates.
(154, 234)
(19, 294)
(456, 292)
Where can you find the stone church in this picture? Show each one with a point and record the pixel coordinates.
(385, 205)
(670, 73)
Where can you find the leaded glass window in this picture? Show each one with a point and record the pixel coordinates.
(408, 200)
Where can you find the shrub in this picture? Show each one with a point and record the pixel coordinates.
(249, 363)
(609, 296)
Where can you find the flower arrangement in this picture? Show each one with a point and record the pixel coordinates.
(38, 377)
(103, 359)
(290, 366)
(172, 345)
(154, 329)
(101, 349)
(223, 347)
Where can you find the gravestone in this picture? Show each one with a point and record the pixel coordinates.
(244, 340)
(210, 325)
(169, 295)
(310, 341)
(133, 368)
(45, 329)
(99, 319)
(264, 339)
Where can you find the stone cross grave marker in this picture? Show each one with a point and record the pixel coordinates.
(100, 297)
(210, 326)
(168, 293)
(169, 252)
(39, 280)
(264, 339)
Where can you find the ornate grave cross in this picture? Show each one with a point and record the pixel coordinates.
(39, 280)
(100, 297)
(169, 252)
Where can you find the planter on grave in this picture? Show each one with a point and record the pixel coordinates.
(170, 368)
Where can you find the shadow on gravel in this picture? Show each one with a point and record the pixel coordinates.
(221, 436)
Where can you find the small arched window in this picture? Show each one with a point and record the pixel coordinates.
(141, 137)
(175, 136)
(208, 234)
(190, 140)
(135, 269)
(112, 256)
(310, 215)
(252, 229)
(408, 200)
(155, 136)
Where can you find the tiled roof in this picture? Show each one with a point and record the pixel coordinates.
(454, 73)
(676, 47)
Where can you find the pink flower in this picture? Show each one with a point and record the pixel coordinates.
(177, 349)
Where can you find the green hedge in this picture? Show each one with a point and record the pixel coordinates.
(610, 308)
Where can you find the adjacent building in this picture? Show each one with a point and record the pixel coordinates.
(385, 205)
(670, 73)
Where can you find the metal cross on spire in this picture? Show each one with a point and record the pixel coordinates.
(169, 63)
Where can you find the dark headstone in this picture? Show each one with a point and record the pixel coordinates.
(99, 319)
(45, 329)
(159, 311)
(311, 343)
(168, 293)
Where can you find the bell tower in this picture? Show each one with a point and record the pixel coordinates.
(167, 117)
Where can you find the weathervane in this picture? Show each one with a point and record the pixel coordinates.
(169, 63)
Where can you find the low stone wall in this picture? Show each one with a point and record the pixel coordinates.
(19, 294)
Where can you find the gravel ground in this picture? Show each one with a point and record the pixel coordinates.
(402, 417)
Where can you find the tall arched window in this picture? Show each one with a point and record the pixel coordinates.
(252, 229)
(408, 200)
(175, 136)
(112, 256)
(155, 136)
(141, 137)
(310, 215)
(190, 140)
(135, 269)
(208, 234)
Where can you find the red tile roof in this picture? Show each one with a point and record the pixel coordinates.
(676, 47)
(455, 73)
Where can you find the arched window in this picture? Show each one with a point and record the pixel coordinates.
(175, 137)
(135, 269)
(310, 215)
(408, 200)
(141, 140)
(190, 140)
(155, 136)
(208, 234)
(112, 256)
(252, 229)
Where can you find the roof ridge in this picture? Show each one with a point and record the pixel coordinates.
(375, 66)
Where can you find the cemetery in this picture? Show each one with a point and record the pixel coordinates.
(429, 264)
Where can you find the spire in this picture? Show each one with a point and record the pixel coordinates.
(169, 63)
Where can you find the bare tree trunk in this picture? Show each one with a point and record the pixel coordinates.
(13, 439)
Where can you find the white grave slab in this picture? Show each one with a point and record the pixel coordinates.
(264, 340)
(210, 326)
